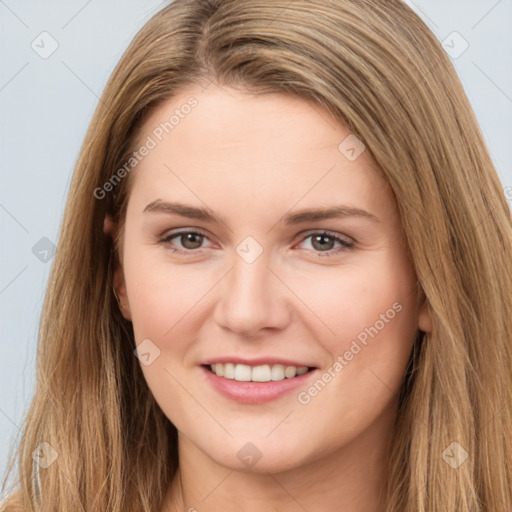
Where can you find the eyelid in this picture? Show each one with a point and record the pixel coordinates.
(345, 241)
(179, 231)
(332, 234)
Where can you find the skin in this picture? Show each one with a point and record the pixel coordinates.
(251, 160)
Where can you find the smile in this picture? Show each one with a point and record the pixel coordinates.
(256, 384)
(260, 373)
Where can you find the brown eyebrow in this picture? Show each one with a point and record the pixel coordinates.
(328, 213)
(307, 215)
(192, 212)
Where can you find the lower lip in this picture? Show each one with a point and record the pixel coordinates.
(254, 392)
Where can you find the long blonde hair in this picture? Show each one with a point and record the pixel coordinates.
(379, 70)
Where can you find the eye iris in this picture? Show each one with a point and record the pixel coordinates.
(321, 239)
(191, 240)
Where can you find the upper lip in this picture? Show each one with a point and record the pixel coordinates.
(259, 361)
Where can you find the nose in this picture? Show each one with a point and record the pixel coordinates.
(252, 299)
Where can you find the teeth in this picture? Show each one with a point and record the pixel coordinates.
(277, 372)
(229, 370)
(263, 373)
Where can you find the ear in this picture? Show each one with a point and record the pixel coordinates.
(110, 229)
(424, 316)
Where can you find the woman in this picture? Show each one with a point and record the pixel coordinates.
(283, 279)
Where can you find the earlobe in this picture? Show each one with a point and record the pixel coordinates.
(424, 317)
(119, 288)
(109, 226)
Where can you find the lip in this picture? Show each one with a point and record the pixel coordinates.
(255, 393)
(257, 361)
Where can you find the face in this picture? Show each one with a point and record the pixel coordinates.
(267, 279)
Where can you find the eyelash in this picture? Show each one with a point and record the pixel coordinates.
(345, 245)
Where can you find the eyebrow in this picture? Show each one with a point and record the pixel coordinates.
(306, 215)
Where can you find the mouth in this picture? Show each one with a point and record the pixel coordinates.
(259, 373)
(256, 385)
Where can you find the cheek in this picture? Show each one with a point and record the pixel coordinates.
(373, 315)
(164, 302)
(369, 320)
(352, 301)
(161, 294)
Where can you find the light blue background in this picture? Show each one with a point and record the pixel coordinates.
(46, 105)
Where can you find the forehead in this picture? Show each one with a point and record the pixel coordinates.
(228, 116)
(238, 146)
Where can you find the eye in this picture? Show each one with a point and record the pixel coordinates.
(323, 243)
(190, 241)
